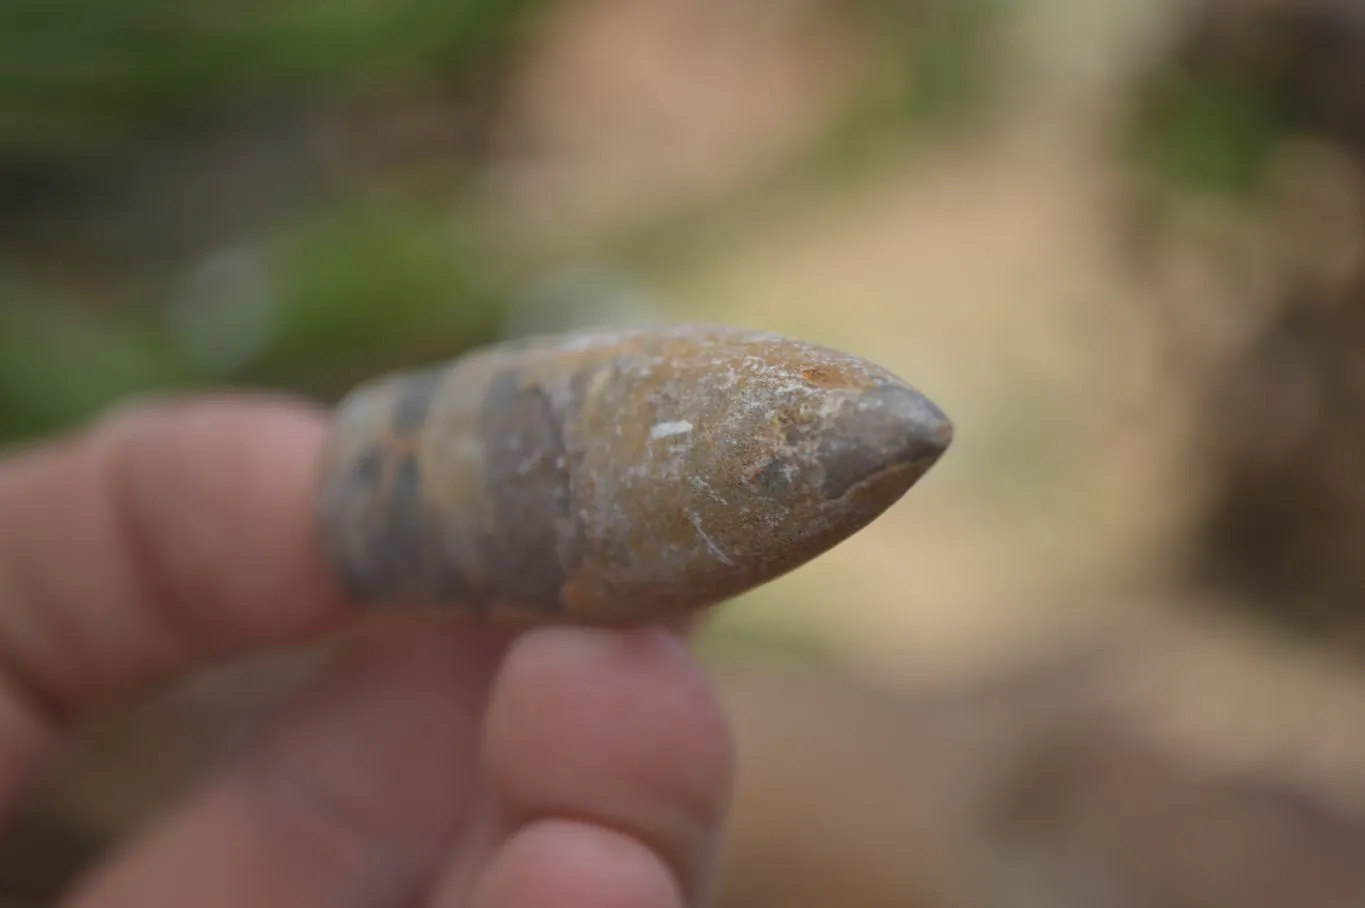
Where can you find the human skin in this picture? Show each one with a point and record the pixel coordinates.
(429, 764)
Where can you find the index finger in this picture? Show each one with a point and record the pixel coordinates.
(155, 541)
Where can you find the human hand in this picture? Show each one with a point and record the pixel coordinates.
(428, 765)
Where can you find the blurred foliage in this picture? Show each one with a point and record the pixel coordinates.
(143, 255)
(944, 72)
(1240, 79)
(84, 83)
(1205, 134)
(951, 58)
(57, 366)
(332, 284)
(390, 281)
(314, 308)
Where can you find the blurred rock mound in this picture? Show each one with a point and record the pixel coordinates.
(1262, 103)
(1088, 779)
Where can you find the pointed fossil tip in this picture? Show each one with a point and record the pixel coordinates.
(879, 442)
(909, 426)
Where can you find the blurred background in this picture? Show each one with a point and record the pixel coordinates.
(1109, 653)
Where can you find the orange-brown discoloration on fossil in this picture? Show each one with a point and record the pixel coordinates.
(829, 377)
(614, 476)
